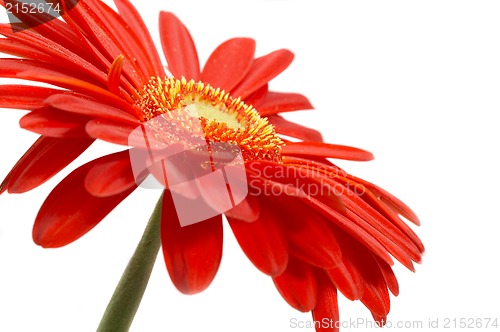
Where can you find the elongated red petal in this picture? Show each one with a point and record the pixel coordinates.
(327, 308)
(48, 121)
(25, 97)
(109, 131)
(192, 253)
(329, 208)
(46, 157)
(90, 108)
(292, 129)
(256, 98)
(389, 276)
(297, 285)
(310, 238)
(135, 21)
(375, 294)
(178, 47)
(57, 53)
(263, 240)
(85, 19)
(262, 71)
(299, 179)
(387, 230)
(110, 175)
(390, 200)
(347, 279)
(16, 48)
(376, 297)
(125, 37)
(229, 63)
(373, 196)
(278, 102)
(398, 206)
(357, 232)
(114, 75)
(34, 71)
(326, 150)
(55, 30)
(247, 210)
(70, 211)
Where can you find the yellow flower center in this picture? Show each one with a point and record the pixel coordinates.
(195, 109)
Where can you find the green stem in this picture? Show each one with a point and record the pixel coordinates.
(127, 297)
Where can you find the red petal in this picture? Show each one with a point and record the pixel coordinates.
(70, 211)
(351, 228)
(48, 121)
(278, 102)
(125, 38)
(389, 277)
(263, 240)
(42, 161)
(134, 20)
(292, 129)
(327, 308)
(399, 206)
(90, 108)
(390, 200)
(382, 228)
(55, 30)
(178, 47)
(192, 253)
(34, 71)
(25, 97)
(256, 98)
(381, 320)
(375, 294)
(376, 298)
(324, 205)
(297, 285)
(374, 197)
(58, 54)
(310, 239)
(263, 70)
(247, 210)
(16, 48)
(115, 74)
(319, 149)
(110, 175)
(305, 182)
(347, 279)
(109, 131)
(229, 63)
(86, 20)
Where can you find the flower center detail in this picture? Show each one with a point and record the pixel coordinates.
(197, 109)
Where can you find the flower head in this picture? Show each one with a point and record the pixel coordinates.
(311, 226)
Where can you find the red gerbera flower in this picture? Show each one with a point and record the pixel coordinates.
(108, 80)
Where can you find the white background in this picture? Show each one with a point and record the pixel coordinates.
(416, 83)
